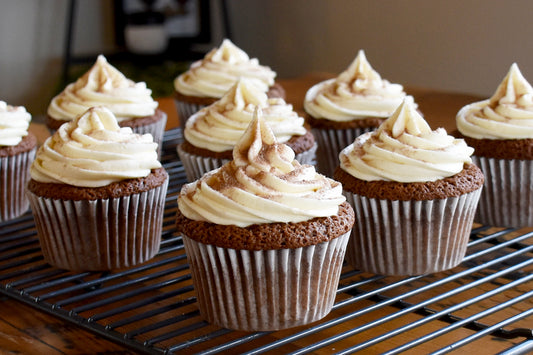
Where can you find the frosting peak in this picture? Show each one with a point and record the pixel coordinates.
(14, 124)
(103, 85)
(92, 151)
(262, 184)
(405, 149)
(358, 92)
(214, 75)
(219, 126)
(508, 114)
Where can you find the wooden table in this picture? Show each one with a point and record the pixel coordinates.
(26, 330)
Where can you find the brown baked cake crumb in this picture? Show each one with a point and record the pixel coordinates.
(275, 90)
(469, 179)
(54, 124)
(521, 149)
(270, 235)
(26, 144)
(298, 144)
(116, 189)
(356, 123)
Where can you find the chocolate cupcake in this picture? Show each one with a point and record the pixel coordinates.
(265, 237)
(17, 151)
(208, 79)
(97, 193)
(342, 108)
(500, 130)
(103, 85)
(414, 192)
(212, 133)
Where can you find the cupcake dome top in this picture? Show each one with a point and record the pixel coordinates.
(508, 114)
(92, 151)
(103, 85)
(358, 92)
(14, 123)
(216, 73)
(405, 149)
(262, 184)
(219, 126)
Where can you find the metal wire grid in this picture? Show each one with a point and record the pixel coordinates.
(151, 308)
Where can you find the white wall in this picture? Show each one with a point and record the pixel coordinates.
(457, 45)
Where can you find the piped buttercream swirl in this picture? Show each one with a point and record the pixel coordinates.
(219, 126)
(14, 124)
(93, 151)
(216, 73)
(405, 149)
(358, 92)
(262, 184)
(103, 85)
(508, 114)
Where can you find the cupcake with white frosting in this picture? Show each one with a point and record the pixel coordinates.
(97, 192)
(342, 108)
(208, 79)
(104, 85)
(414, 191)
(269, 229)
(500, 129)
(211, 134)
(17, 151)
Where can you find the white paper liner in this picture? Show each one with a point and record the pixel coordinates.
(100, 234)
(196, 166)
(410, 237)
(186, 110)
(507, 198)
(14, 175)
(156, 129)
(267, 289)
(330, 143)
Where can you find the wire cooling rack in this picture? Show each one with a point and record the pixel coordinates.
(485, 304)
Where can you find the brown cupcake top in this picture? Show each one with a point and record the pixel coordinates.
(271, 235)
(356, 123)
(521, 149)
(114, 190)
(26, 144)
(469, 179)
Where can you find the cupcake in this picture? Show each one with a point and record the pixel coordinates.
(342, 108)
(17, 151)
(208, 79)
(212, 133)
(500, 129)
(265, 237)
(414, 192)
(97, 193)
(103, 85)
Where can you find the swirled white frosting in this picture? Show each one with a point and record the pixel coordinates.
(94, 151)
(405, 149)
(103, 85)
(508, 114)
(358, 92)
(262, 184)
(14, 123)
(219, 127)
(216, 73)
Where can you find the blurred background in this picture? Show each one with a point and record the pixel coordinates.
(462, 46)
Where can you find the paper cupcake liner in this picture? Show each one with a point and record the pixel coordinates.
(507, 198)
(330, 143)
(14, 175)
(196, 166)
(156, 129)
(100, 234)
(267, 289)
(186, 110)
(410, 237)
